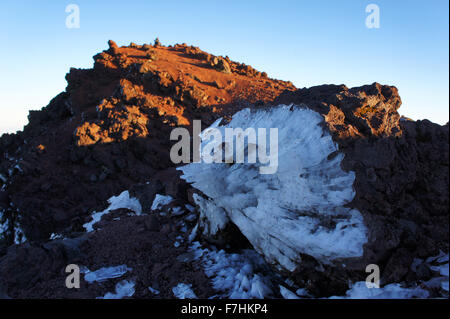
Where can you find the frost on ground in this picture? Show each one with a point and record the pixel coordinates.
(19, 235)
(287, 294)
(235, 276)
(105, 273)
(300, 208)
(122, 201)
(163, 200)
(183, 291)
(124, 288)
(246, 275)
(160, 201)
(359, 290)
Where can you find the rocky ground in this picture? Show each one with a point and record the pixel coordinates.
(109, 133)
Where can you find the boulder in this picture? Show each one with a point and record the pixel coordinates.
(221, 65)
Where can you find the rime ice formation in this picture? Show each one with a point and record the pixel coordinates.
(298, 210)
(160, 201)
(122, 201)
(237, 276)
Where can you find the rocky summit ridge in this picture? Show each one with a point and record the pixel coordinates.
(108, 132)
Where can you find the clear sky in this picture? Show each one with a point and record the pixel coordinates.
(307, 42)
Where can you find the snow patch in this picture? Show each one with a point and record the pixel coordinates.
(54, 236)
(124, 288)
(392, 291)
(236, 276)
(287, 294)
(122, 201)
(19, 236)
(160, 201)
(302, 292)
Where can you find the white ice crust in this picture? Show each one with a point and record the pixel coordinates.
(122, 201)
(299, 209)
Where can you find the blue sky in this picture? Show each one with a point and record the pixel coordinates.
(306, 42)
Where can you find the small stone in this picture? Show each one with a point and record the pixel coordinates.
(112, 44)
